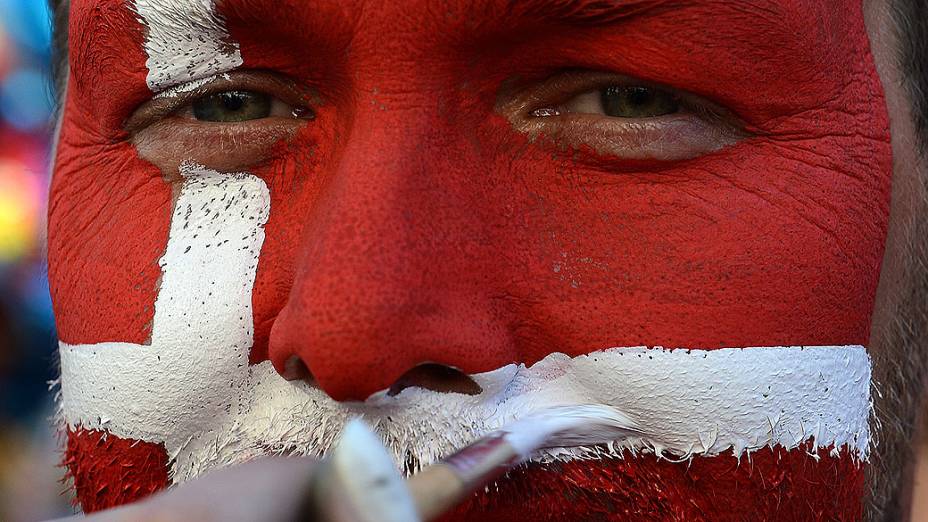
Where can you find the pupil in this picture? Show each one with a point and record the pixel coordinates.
(635, 101)
(232, 101)
(639, 95)
(232, 106)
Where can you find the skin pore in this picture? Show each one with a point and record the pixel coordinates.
(426, 148)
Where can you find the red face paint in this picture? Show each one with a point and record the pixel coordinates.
(109, 210)
(411, 223)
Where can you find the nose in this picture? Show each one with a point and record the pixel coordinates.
(391, 275)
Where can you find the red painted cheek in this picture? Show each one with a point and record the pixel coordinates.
(108, 224)
(745, 248)
(109, 471)
(109, 211)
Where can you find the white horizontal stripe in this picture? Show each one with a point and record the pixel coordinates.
(687, 402)
(193, 390)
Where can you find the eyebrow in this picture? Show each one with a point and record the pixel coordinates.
(588, 12)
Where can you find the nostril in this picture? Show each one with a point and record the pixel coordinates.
(295, 370)
(436, 377)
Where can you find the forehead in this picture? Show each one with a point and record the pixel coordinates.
(781, 54)
(336, 23)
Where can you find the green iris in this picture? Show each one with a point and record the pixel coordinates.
(621, 101)
(232, 106)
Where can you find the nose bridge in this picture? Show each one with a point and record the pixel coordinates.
(390, 202)
(381, 284)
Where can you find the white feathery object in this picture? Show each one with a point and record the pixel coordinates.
(568, 426)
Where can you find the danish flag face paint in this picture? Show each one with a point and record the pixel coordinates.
(722, 301)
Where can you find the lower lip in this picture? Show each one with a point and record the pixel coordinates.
(769, 484)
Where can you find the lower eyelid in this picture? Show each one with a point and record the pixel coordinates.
(665, 138)
(224, 147)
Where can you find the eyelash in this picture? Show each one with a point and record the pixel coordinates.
(688, 103)
(173, 101)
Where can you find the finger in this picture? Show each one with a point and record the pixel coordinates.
(270, 489)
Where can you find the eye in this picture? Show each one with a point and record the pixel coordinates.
(238, 106)
(620, 117)
(226, 122)
(232, 106)
(621, 101)
(238, 97)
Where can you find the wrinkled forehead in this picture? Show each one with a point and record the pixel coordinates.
(456, 19)
(755, 38)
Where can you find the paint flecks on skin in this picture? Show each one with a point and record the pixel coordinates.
(186, 40)
(179, 384)
(188, 86)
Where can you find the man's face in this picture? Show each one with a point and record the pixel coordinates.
(265, 214)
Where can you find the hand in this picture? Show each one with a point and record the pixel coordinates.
(359, 482)
(272, 490)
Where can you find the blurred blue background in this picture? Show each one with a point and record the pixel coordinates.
(30, 477)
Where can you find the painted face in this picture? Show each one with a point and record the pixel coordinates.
(265, 213)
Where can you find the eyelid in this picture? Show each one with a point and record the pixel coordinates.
(566, 85)
(700, 126)
(168, 102)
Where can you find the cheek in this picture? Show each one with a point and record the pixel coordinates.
(109, 211)
(764, 244)
(108, 225)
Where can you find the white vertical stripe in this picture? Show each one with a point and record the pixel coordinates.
(185, 381)
(185, 40)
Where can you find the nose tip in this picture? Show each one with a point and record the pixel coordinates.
(351, 362)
